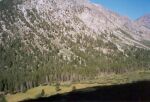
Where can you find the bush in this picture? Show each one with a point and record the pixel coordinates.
(73, 88)
(42, 93)
(57, 87)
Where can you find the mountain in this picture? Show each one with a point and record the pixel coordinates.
(49, 41)
(144, 21)
(144, 25)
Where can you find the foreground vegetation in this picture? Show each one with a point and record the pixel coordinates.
(48, 90)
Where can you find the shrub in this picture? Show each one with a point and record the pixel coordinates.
(57, 87)
(42, 93)
(73, 88)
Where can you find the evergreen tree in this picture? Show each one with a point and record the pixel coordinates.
(43, 93)
(73, 88)
(57, 88)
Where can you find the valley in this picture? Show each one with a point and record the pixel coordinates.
(106, 80)
(50, 47)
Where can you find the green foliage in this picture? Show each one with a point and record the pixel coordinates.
(2, 98)
(21, 70)
(73, 88)
(43, 93)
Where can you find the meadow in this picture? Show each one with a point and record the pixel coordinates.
(104, 80)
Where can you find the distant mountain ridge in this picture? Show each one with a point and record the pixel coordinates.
(144, 24)
(144, 21)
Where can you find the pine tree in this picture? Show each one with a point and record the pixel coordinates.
(42, 93)
(57, 87)
(73, 88)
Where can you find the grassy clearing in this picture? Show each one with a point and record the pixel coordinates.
(100, 81)
(49, 90)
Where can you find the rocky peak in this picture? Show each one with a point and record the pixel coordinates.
(144, 21)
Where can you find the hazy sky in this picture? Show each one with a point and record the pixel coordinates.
(131, 8)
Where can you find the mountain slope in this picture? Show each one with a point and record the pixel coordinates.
(144, 21)
(48, 41)
(144, 25)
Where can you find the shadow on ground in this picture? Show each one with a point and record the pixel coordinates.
(134, 92)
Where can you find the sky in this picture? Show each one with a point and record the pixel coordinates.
(131, 8)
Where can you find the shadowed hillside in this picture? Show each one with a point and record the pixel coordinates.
(134, 92)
